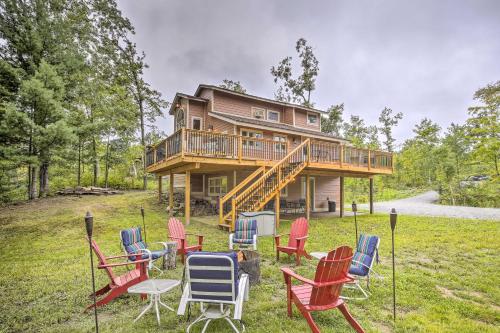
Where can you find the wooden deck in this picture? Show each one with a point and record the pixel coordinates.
(208, 152)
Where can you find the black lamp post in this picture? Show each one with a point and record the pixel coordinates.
(354, 210)
(393, 218)
(89, 225)
(144, 225)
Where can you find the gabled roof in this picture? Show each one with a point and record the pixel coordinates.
(266, 125)
(297, 106)
(181, 95)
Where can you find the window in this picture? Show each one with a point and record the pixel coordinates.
(273, 115)
(284, 192)
(217, 186)
(179, 118)
(281, 146)
(196, 123)
(312, 119)
(251, 134)
(258, 113)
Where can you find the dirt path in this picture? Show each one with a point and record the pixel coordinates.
(425, 204)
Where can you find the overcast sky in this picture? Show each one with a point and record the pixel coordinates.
(422, 58)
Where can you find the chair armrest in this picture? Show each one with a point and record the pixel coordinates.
(123, 263)
(123, 256)
(164, 244)
(369, 269)
(287, 272)
(277, 238)
(301, 238)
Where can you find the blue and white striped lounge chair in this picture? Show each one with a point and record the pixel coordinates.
(132, 243)
(212, 281)
(245, 234)
(362, 263)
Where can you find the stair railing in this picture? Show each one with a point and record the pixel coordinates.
(271, 182)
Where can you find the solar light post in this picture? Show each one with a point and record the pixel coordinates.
(89, 225)
(144, 225)
(393, 219)
(354, 210)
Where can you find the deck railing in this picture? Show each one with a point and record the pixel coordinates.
(231, 146)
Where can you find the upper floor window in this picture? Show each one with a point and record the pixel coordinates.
(258, 113)
(196, 123)
(280, 147)
(273, 115)
(312, 119)
(252, 134)
(179, 119)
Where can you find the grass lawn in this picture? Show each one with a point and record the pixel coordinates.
(447, 271)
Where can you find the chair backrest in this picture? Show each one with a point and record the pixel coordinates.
(298, 229)
(212, 276)
(331, 268)
(132, 240)
(365, 254)
(102, 260)
(176, 231)
(245, 229)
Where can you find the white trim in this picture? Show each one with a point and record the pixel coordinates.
(251, 130)
(187, 112)
(317, 119)
(201, 122)
(274, 121)
(298, 132)
(253, 109)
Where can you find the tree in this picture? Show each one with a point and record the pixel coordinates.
(427, 132)
(233, 85)
(483, 125)
(148, 101)
(299, 89)
(42, 96)
(356, 131)
(456, 141)
(388, 121)
(333, 122)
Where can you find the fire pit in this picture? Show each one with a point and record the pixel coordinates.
(249, 262)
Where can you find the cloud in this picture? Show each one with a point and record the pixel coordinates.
(422, 58)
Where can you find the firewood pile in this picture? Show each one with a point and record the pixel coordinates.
(88, 191)
(199, 207)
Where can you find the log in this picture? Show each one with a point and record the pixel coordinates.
(88, 191)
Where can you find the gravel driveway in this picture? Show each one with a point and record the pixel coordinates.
(424, 204)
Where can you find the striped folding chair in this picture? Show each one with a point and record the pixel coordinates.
(362, 264)
(132, 243)
(212, 281)
(245, 234)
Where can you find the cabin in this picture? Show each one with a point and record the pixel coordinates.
(248, 153)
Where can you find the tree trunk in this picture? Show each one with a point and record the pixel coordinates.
(143, 143)
(32, 183)
(79, 172)
(95, 162)
(44, 180)
(106, 170)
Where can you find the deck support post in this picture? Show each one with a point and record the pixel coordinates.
(187, 196)
(171, 195)
(341, 203)
(308, 197)
(160, 178)
(371, 195)
(277, 208)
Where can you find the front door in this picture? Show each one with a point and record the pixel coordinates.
(312, 184)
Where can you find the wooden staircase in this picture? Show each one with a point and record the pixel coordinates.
(264, 188)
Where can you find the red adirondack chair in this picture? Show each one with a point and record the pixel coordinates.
(177, 233)
(322, 293)
(118, 284)
(296, 240)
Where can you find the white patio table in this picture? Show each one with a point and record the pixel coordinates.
(154, 288)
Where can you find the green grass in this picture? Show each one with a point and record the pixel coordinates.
(447, 271)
